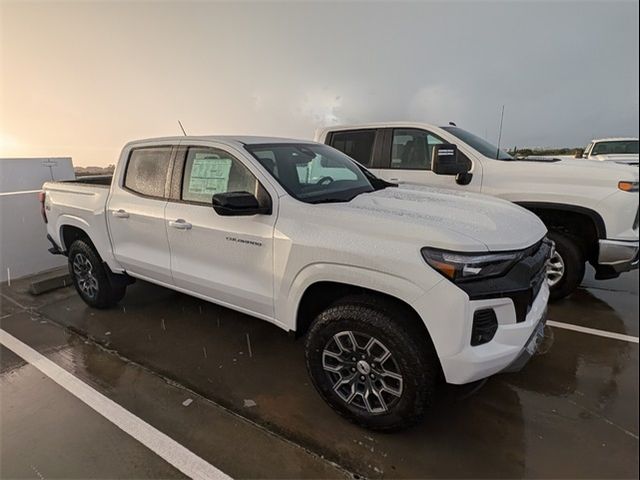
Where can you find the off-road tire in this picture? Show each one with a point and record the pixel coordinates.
(569, 249)
(410, 347)
(106, 294)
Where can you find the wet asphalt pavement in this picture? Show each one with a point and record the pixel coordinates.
(572, 412)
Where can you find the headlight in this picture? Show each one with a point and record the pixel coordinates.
(460, 267)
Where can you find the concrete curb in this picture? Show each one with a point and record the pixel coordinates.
(50, 280)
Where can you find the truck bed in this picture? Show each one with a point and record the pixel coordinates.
(79, 203)
(104, 180)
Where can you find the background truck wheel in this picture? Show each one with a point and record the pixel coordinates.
(91, 278)
(566, 268)
(371, 366)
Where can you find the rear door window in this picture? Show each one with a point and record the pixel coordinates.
(358, 144)
(147, 171)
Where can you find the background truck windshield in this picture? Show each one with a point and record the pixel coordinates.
(479, 144)
(312, 173)
(619, 147)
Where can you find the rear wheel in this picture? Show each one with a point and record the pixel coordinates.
(370, 366)
(566, 267)
(90, 277)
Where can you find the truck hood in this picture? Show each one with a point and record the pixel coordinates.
(581, 167)
(441, 218)
(619, 158)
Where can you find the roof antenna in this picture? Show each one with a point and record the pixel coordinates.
(452, 124)
(500, 133)
(182, 128)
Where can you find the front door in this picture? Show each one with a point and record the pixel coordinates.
(228, 259)
(408, 160)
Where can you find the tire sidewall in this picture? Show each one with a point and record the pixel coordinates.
(574, 265)
(417, 383)
(101, 300)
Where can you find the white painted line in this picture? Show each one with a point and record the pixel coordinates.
(20, 192)
(593, 331)
(9, 299)
(165, 447)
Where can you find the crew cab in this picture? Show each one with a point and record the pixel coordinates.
(394, 288)
(590, 208)
(620, 150)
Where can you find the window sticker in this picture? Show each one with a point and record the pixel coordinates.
(209, 175)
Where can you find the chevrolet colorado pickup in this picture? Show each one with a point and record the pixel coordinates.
(393, 288)
(590, 208)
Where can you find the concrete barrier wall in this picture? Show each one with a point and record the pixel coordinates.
(23, 243)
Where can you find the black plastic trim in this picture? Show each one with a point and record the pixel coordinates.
(54, 249)
(521, 283)
(601, 229)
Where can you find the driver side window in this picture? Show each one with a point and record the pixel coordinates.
(411, 149)
(208, 171)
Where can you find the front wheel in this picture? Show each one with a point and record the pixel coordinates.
(566, 267)
(370, 367)
(90, 277)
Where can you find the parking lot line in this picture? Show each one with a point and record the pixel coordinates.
(593, 331)
(162, 445)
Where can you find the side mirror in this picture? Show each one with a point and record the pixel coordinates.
(445, 160)
(238, 204)
(580, 154)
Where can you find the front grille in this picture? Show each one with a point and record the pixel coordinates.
(524, 300)
(485, 325)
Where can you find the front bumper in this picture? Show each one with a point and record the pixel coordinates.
(530, 348)
(620, 255)
(511, 346)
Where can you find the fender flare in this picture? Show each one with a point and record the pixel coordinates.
(66, 220)
(595, 217)
(289, 302)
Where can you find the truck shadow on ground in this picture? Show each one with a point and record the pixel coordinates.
(258, 371)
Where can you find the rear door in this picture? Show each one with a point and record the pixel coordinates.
(135, 213)
(362, 145)
(228, 259)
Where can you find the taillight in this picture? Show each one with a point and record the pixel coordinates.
(41, 197)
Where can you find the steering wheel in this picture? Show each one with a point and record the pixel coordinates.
(325, 180)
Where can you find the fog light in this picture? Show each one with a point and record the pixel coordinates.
(485, 325)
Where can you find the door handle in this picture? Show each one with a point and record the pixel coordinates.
(120, 213)
(394, 179)
(180, 224)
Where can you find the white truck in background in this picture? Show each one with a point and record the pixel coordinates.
(394, 288)
(619, 149)
(589, 207)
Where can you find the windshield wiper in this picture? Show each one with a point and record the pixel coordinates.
(341, 199)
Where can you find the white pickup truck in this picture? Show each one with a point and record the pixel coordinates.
(589, 207)
(620, 150)
(394, 288)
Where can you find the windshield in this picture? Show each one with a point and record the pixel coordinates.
(479, 144)
(313, 173)
(619, 147)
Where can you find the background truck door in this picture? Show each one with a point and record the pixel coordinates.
(135, 213)
(228, 259)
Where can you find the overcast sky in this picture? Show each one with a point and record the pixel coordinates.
(81, 79)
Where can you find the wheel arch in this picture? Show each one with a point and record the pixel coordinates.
(321, 294)
(584, 224)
